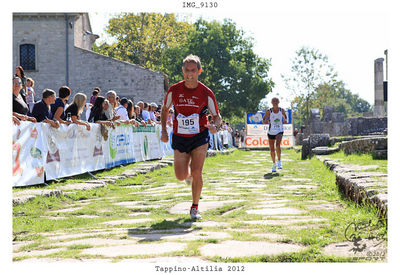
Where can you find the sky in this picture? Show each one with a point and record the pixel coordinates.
(352, 40)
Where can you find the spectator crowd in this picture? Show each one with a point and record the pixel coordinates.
(109, 110)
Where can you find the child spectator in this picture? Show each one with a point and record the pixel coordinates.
(30, 93)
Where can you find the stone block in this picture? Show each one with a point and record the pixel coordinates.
(327, 113)
(305, 149)
(324, 150)
(317, 140)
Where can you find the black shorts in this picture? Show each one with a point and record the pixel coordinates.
(274, 136)
(188, 144)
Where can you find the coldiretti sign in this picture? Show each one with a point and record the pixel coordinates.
(262, 141)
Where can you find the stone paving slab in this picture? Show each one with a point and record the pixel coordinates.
(122, 222)
(37, 252)
(298, 186)
(65, 210)
(64, 236)
(129, 203)
(61, 260)
(230, 249)
(326, 207)
(363, 248)
(21, 197)
(286, 221)
(82, 186)
(276, 211)
(272, 236)
(96, 242)
(135, 249)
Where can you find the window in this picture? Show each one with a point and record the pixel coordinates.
(27, 56)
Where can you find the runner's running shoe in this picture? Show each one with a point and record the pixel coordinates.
(195, 214)
(274, 167)
(189, 180)
(279, 165)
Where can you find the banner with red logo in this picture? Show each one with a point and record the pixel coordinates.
(262, 141)
(28, 154)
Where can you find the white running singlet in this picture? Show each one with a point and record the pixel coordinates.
(275, 122)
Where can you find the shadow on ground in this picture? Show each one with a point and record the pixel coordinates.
(271, 175)
(172, 228)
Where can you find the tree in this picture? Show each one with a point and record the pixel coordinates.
(309, 69)
(238, 77)
(142, 38)
(336, 95)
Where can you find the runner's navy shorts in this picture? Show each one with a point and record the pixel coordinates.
(188, 144)
(274, 136)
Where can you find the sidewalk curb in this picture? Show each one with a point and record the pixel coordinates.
(360, 186)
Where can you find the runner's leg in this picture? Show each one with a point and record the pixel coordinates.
(272, 149)
(181, 165)
(198, 157)
(278, 146)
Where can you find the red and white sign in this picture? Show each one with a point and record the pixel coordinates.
(262, 141)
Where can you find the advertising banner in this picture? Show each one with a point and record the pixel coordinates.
(166, 148)
(256, 118)
(119, 145)
(28, 154)
(262, 141)
(39, 149)
(262, 130)
(72, 150)
(147, 142)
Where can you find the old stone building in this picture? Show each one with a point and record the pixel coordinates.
(55, 49)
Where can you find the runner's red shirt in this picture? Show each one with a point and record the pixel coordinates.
(188, 101)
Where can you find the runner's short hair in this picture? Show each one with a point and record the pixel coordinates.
(192, 59)
(275, 98)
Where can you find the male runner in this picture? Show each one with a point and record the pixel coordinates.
(190, 99)
(275, 117)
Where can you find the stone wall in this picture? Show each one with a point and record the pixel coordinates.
(47, 33)
(335, 124)
(377, 146)
(91, 70)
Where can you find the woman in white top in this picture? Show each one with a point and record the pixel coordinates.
(275, 117)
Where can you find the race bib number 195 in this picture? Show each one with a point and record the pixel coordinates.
(188, 125)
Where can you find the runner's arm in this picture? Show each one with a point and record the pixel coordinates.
(164, 116)
(265, 121)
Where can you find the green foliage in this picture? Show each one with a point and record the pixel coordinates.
(237, 76)
(314, 83)
(142, 38)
